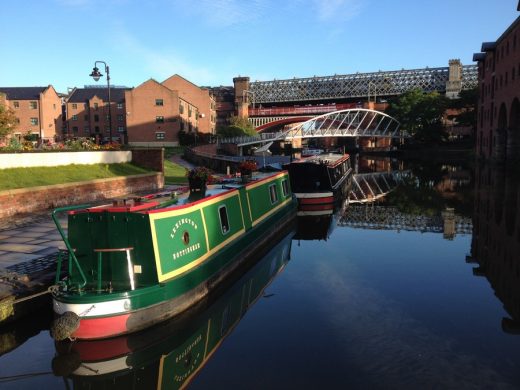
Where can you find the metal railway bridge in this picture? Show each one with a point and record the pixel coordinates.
(362, 85)
(272, 102)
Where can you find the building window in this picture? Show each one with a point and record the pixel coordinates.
(74, 117)
(181, 109)
(74, 106)
(120, 118)
(86, 117)
(96, 118)
(34, 121)
(159, 119)
(16, 104)
(159, 135)
(120, 129)
(75, 129)
(224, 220)
(273, 194)
(189, 112)
(33, 105)
(86, 130)
(96, 106)
(119, 106)
(159, 102)
(285, 188)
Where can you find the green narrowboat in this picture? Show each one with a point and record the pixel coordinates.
(135, 264)
(169, 355)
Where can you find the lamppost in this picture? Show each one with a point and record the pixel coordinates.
(96, 74)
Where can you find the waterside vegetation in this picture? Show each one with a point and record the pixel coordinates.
(13, 178)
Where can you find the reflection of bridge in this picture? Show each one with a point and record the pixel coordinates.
(345, 123)
(390, 218)
(369, 187)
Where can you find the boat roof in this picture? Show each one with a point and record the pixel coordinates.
(330, 159)
(178, 198)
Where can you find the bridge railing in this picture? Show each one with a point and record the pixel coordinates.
(261, 137)
(297, 110)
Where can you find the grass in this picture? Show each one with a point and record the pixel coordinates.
(13, 178)
(174, 173)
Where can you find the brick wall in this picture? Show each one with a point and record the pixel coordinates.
(149, 158)
(38, 199)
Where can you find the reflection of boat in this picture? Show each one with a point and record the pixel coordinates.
(316, 221)
(171, 353)
(320, 179)
(136, 264)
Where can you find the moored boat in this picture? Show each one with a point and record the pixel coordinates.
(170, 354)
(135, 264)
(321, 179)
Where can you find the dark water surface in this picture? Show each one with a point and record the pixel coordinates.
(415, 284)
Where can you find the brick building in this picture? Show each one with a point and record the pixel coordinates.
(199, 97)
(224, 104)
(157, 112)
(87, 113)
(498, 125)
(38, 110)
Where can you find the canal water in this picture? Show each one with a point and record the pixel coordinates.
(412, 283)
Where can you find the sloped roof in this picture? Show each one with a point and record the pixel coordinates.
(176, 75)
(22, 93)
(81, 95)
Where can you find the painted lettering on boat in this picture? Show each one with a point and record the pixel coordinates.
(185, 251)
(179, 223)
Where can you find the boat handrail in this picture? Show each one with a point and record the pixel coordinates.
(72, 254)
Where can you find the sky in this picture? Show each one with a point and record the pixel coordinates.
(211, 41)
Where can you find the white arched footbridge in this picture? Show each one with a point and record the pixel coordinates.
(358, 122)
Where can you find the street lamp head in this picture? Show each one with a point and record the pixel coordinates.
(96, 74)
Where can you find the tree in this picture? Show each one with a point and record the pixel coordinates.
(466, 104)
(8, 121)
(238, 127)
(420, 114)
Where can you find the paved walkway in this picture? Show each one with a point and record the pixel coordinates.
(37, 239)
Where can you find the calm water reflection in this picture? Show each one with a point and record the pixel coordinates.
(414, 284)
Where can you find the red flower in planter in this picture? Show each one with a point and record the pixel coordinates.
(246, 167)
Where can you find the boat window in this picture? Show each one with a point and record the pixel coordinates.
(273, 194)
(224, 221)
(285, 188)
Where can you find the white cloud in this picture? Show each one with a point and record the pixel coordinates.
(223, 13)
(337, 10)
(161, 64)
